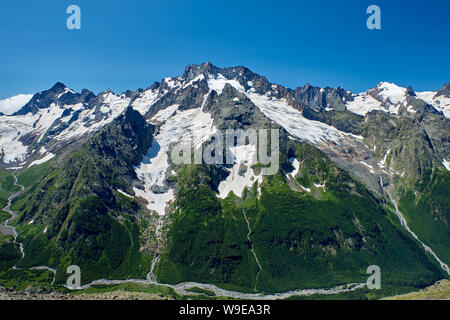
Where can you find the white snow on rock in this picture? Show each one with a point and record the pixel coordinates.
(440, 103)
(245, 156)
(446, 164)
(218, 83)
(394, 97)
(11, 149)
(317, 185)
(364, 103)
(368, 166)
(179, 127)
(42, 160)
(382, 163)
(296, 165)
(279, 111)
(114, 105)
(42, 150)
(392, 92)
(145, 100)
(12, 128)
(124, 193)
(305, 189)
(165, 114)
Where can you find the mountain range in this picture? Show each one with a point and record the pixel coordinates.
(363, 180)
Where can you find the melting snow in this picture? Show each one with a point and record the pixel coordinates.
(144, 102)
(368, 166)
(395, 97)
(179, 127)
(440, 103)
(305, 189)
(115, 104)
(446, 164)
(392, 92)
(124, 193)
(319, 185)
(219, 82)
(244, 155)
(296, 165)
(44, 159)
(279, 111)
(364, 103)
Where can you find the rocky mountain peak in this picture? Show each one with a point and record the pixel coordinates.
(58, 87)
(43, 99)
(445, 91)
(410, 91)
(193, 70)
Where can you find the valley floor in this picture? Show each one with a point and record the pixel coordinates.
(36, 294)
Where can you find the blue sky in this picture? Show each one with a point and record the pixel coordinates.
(130, 44)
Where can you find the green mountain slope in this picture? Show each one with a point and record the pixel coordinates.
(74, 214)
(326, 237)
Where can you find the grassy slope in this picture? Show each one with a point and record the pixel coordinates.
(78, 216)
(438, 291)
(102, 241)
(6, 187)
(427, 212)
(302, 240)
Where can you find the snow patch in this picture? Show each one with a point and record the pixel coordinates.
(279, 111)
(44, 159)
(124, 193)
(363, 104)
(296, 165)
(178, 127)
(305, 189)
(145, 101)
(440, 103)
(244, 157)
(219, 82)
(446, 164)
(392, 92)
(382, 163)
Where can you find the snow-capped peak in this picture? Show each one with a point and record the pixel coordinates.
(389, 97)
(391, 92)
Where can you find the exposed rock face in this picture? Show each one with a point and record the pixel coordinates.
(445, 91)
(322, 98)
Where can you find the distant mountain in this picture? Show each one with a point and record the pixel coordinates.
(103, 192)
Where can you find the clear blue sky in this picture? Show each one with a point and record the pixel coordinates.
(130, 44)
